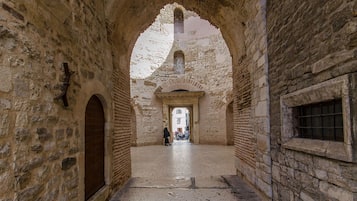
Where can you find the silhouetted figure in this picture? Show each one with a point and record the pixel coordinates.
(166, 136)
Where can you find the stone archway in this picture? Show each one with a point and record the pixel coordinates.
(240, 29)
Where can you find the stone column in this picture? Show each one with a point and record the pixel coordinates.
(196, 123)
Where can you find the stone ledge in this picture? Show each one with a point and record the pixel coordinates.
(328, 149)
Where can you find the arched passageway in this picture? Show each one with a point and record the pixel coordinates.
(311, 47)
(242, 24)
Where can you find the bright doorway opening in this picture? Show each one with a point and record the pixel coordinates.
(180, 124)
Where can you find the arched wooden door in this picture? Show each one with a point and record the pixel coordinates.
(94, 147)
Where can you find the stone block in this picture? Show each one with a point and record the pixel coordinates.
(264, 187)
(262, 60)
(335, 192)
(69, 132)
(22, 135)
(55, 156)
(276, 173)
(4, 120)
(30, 194)
(5, 103)
(21, 120)
(43, 173)
(43, 134)
(71, 183)
(37, 148)
(23, 180)
(5, 77)
(60, 134)
(3, 166)
(53, 195)
(7, 182)
(5, 150)
(321, 174)
(305, 197)
(261, 110)
(73, 150)
(31, 164)
(262, 142)
(21, 88)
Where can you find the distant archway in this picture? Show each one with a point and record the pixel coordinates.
(229, 124)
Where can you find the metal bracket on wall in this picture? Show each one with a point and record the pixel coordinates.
(65, 85)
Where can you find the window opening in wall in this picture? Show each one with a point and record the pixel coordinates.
(179, 62)
(178, 21)
(321, 121)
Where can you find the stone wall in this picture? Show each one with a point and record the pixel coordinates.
(207, 62)
(41, 141)
(312, 42)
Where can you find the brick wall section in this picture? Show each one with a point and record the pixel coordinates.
(309, 42)
(244, 139)
(122, 128)
(245, 146)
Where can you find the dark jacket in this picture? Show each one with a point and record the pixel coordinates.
(166, 133)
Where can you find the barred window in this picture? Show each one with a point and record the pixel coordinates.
(321, 121)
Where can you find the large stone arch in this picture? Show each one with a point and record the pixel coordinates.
(222, 14)
(245, 35)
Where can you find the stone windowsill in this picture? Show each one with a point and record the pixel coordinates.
(328, 149)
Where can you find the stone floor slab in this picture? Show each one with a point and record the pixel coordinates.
(184, 172)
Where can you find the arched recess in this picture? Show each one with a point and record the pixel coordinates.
(243, 26)
(98, 90)
(181, 84)
(178, 21)
(94, 147)
(179, 62)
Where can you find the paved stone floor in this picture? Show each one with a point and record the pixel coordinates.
(184, 172)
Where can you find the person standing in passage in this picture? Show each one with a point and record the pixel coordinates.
(166, 136)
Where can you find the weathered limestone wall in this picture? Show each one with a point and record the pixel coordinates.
(312, 42)
(207, 62)
(41, 141)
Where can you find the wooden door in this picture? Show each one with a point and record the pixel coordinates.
(94, 147)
